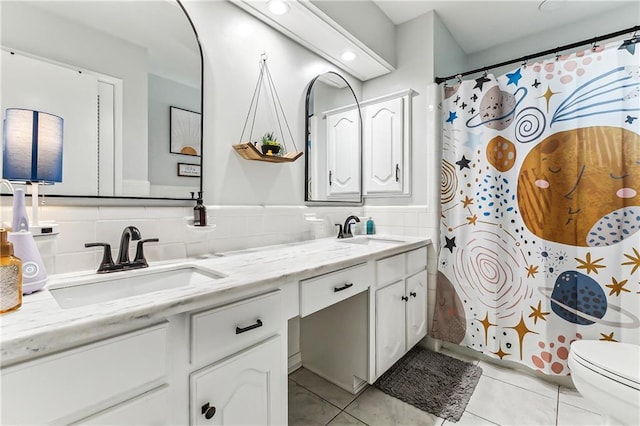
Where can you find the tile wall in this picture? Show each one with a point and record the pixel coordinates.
(236, 227)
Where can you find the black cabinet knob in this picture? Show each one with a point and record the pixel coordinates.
(405, 298)
(413, 294)
(208, 411)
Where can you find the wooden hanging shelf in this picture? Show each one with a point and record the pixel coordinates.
(249, 152)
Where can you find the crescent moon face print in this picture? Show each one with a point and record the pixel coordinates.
(540, 208)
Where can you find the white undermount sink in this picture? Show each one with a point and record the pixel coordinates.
(368, 240)
(98, 288)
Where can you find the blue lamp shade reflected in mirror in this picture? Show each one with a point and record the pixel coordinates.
(32, 146)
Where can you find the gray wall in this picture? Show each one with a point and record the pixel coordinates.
(606, 23)
(233, 42)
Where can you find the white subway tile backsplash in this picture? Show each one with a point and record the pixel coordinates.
(411, 219)
(74, 262)
(236, 227)
(112, 212)
(154, 252)
(62, 213)
(197, 249)
(73, 235)
(168, 212)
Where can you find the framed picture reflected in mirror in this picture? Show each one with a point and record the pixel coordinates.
(185, 131)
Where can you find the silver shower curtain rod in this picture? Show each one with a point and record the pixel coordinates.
(544, 53)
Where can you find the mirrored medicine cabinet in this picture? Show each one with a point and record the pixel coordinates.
(333, 151)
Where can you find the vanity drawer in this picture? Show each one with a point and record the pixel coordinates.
(225, 330)
(390, 269)
(416, 260)
(150, 408)
(319, 292)
(62, 387)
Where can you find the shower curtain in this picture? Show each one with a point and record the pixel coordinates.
(540, 208)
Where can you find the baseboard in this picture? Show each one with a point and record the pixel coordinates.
(294, 362)
(359, 385)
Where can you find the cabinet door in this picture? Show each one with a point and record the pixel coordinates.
(416, 308)
(390, 325)
(343, 153)
(246, 389)
(384, 147)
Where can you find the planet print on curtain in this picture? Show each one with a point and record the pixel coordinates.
(540, 208)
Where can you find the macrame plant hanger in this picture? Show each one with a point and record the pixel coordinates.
(248, 150)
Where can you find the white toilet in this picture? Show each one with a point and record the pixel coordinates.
(607, 375)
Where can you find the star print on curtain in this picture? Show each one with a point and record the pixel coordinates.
(540, 208)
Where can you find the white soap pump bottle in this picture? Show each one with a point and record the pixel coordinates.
(34, 275)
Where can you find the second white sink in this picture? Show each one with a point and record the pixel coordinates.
(101, 288)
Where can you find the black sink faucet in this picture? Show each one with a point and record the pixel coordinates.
(346, 229)
(129, 233)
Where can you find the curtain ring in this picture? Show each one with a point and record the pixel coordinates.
(486, 73)
(459, 77)
(524, 62)
(557, 55)
(594, 46)
(263, 57)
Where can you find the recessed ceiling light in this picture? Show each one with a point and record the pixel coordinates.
(549, 5)
(348, 56)
(278, 7)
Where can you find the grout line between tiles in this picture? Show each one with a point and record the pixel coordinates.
(577, 406)
(329, 402)
(557, 405)
(334, 417)
(483, 418)
(354, 400)
(518, 386)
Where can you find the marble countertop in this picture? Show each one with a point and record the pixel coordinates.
(41, 326)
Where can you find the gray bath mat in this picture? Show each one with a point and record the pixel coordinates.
(432, 382)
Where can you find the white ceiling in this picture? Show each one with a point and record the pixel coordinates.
(497, 21)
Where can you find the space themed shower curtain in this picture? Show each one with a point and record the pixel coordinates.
(540, 208)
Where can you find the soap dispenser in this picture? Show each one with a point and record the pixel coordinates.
(199, 212)
(34, 274)
(10, 276)
(371, 227)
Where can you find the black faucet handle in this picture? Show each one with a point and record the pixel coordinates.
(106, 265)
(139, 260)
(340, 234)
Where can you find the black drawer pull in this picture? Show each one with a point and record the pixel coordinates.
(405, 298)
(344, 287)
(413, 293)
(251, 327)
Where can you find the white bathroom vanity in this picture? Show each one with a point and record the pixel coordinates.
(210, 345)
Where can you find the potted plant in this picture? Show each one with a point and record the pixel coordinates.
(270, 145)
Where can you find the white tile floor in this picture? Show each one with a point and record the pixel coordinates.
(502, 397)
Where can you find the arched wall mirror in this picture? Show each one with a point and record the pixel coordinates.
(333, 150)
(126, 77)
